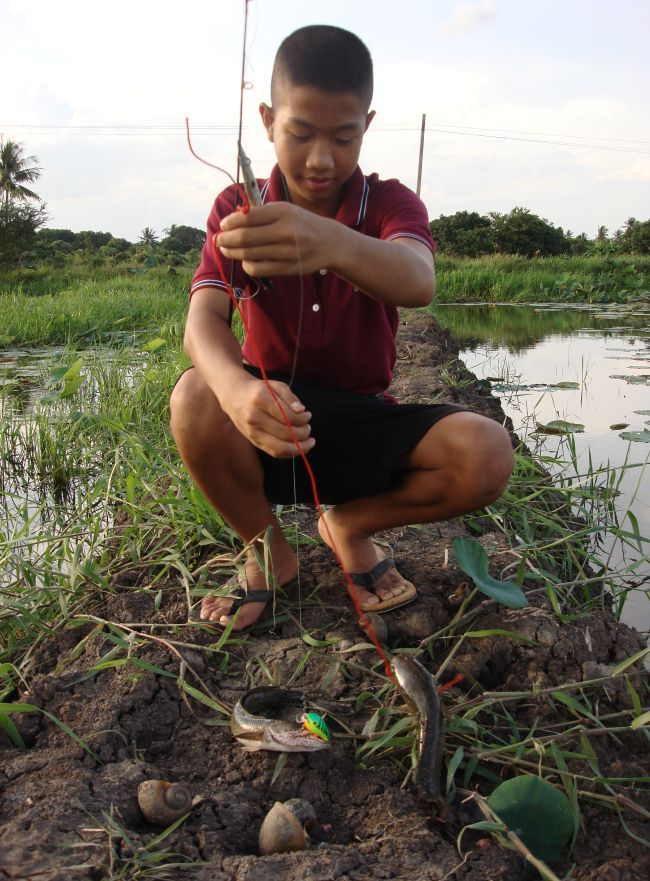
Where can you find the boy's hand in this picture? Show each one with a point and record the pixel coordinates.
(255, 414)
(278, 239)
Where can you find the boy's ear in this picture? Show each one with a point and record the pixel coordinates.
(268, 117)
(369, 118)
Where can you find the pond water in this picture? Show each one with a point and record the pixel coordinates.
(587, 366)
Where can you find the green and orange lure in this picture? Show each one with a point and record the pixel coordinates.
(315, 724)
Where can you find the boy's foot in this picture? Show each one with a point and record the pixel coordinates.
(362, 555)
(218, 608)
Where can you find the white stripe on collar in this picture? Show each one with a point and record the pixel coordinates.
(364, 202)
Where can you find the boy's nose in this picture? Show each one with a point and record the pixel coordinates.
(320, 157)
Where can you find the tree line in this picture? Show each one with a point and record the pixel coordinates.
(26, 241)
(469, 234)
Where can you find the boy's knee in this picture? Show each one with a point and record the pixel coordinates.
(190, 399)
(482, 460)
(187, 392)
(494, 462)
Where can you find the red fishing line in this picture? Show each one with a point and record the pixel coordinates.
(450, 684)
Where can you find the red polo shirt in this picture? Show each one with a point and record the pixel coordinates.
(346, 339)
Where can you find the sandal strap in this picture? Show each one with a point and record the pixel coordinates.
(242, 597)
(369, 579)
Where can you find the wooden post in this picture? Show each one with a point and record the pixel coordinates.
(424, 119)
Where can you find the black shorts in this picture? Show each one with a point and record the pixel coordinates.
(360, 442)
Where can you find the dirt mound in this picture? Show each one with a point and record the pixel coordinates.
(68, 807)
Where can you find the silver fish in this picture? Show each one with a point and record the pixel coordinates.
(420, 691)
(257, 724)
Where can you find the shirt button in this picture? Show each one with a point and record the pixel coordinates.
(315, 308)
(323, 271)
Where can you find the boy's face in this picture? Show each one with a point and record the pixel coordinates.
(317, 138)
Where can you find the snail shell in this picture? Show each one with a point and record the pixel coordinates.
(162, 803)
(281, 831)
(302, 810)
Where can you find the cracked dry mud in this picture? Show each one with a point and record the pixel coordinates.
(54, 796)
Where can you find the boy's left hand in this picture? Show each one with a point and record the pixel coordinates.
(277, 239)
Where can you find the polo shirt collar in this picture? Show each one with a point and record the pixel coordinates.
(352, 210)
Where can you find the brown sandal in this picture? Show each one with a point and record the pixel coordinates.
(368, 580)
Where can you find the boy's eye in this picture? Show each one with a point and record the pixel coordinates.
(301, 138)
(342, 142)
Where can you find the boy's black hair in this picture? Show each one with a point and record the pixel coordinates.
(327, 58)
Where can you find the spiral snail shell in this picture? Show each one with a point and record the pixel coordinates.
(162, 802)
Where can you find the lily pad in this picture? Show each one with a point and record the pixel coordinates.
(154, 345)
(641, 379)
(564, 385)
(642, 437)
(559, 426)
(472, 558)
(536, 812)
(616, 426)
(643, 412)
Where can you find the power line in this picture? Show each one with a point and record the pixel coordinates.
(174, 130)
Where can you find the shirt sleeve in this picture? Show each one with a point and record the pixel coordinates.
(402, 214)
(207, 274)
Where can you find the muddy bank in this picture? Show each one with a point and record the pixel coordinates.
(69, 812)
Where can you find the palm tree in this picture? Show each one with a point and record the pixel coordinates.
(148, 236)
(15, 172)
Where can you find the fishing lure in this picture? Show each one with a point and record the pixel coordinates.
(315, 724)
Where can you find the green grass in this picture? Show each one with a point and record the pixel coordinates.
(508, 279)
(85, 310)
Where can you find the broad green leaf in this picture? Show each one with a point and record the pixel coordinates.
(72, 385)
(154, 345)
(565, 384)
(472, 558)
(642, 437)
(640, 379)
(617, 426)
(537, 812)
(559, 426)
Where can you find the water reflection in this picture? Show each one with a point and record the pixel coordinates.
(519, 327)
(604, 356)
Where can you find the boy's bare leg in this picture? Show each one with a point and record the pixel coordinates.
(226, 468)
(463, 463)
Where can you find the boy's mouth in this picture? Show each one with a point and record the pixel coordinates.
(317, 184)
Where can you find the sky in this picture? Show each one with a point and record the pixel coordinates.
(543, 106)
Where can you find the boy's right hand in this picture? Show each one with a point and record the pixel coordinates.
(256, 414)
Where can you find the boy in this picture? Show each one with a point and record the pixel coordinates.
(321, 268)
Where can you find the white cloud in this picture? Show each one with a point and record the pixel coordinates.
(470, 15)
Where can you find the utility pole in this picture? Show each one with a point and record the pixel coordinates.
(424, 119)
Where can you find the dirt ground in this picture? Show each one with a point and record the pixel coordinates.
(66, 815)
